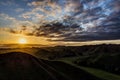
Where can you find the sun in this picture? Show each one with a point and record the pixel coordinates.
(22, 41)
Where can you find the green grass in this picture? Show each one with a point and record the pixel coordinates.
(96, 72)
(101, 74)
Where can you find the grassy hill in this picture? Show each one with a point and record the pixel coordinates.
(93, 62)
(22, 66)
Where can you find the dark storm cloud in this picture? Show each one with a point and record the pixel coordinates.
(90, 36)
(77, 20)
(52, 30)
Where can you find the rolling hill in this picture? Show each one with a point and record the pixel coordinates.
(22, 66)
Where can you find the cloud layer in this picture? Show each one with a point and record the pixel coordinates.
(73, 20)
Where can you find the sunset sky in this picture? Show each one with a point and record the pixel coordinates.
(60, 22)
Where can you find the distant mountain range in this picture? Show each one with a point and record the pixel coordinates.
(21, 45)
(73, 51)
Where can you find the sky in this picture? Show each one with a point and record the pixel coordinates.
(60, 22)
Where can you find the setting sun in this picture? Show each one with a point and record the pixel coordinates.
(22, 41)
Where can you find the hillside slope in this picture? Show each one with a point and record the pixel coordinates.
(22, 66)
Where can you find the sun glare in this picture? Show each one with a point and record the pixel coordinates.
(22, 41)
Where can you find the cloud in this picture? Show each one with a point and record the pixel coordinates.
(7, 21)
(52, 10)
(12, 25)
(19, 10)
(73, 20)
(7, 3)
(88, 36)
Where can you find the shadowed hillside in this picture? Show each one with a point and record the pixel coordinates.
(22, 66)
(102, 59)
(75, 51)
